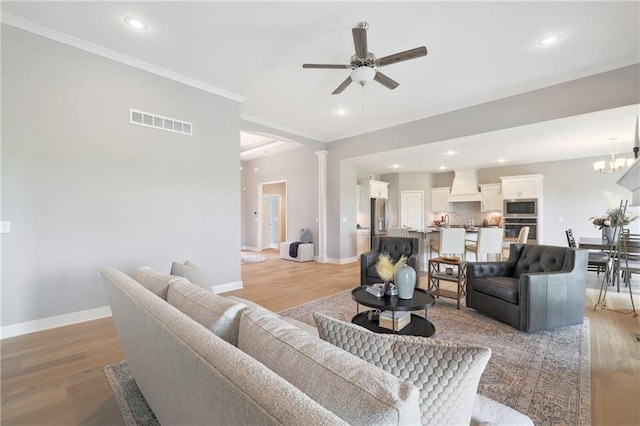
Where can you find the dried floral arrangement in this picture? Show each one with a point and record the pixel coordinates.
(386, 268)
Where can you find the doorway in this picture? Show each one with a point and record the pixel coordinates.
(272, 212)
(412, 209)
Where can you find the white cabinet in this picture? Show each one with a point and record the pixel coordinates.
(440, 199)
(525, 186)
(378, 189)
(363, 241)
(491, 197)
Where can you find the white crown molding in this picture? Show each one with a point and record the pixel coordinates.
(34, 28)
(284, 129)
(54, 322)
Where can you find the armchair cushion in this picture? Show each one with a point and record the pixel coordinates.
(505, 288)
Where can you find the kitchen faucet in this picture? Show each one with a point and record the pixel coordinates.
(446, 221)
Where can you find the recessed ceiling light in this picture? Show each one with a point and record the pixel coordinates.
(451, 152)
(501, 160)
(395, 166)
(340, 111)
(549, 40)
(136, 24)
(442, 168)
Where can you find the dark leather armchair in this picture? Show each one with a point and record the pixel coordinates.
(396, 247)
(537, 288)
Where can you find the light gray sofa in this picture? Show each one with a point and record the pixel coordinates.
(201, 358)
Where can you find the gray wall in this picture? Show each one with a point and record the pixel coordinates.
(299, 167)
(598, 92)
(85, 189)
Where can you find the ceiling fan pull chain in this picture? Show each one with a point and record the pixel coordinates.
(363, 102)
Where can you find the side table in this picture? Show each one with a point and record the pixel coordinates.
(459, 276)
(418, 326)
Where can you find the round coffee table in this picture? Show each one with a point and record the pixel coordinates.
(417, 327)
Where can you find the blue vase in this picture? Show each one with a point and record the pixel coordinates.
(405, 280)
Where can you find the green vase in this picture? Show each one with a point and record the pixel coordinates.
(405, 280)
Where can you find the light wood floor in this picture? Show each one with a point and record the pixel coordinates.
(55, 377)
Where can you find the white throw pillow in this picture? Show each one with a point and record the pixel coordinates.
(445, 373)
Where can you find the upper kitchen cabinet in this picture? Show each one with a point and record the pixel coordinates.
(378, 189)
(491, 197)
(440, 199)
(524, 186)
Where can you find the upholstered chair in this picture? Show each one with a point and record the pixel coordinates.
(395, 247)
(538, 288)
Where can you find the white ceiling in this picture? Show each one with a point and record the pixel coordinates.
(478, 51)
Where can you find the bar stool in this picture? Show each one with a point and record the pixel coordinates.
(451, 242)
(489, 242)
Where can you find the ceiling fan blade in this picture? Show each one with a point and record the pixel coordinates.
(360, 42)
(385, 81)
(402, 56)
(330, 66)
(342, 86)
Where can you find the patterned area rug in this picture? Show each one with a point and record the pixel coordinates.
(249, 258)
(545, 375)
(134, 408)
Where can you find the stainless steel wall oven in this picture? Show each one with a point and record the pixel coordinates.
(512, 226)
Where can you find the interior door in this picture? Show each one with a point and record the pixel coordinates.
(412, 209)
(270, 221)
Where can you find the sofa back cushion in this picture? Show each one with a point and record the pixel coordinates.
(217, 313)
(446, 374)
(355, 390)
(538, 258)
(157, 282)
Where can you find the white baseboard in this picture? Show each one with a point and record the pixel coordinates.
(223, 288)
(53, 322)
(342, 261)
(250, 248)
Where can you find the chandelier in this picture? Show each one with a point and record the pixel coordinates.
(616, 164)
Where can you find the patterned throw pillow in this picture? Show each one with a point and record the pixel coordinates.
(445, 373)
(191, 272)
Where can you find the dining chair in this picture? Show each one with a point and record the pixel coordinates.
(451, 242)
(629, 256)
(489, 242)
(397, 232)
(597, 261)
(523, 237)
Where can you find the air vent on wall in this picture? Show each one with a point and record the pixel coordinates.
(147, 119)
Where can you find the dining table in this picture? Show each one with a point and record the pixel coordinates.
(599, 243)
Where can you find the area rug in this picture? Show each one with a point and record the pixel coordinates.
(134, 408)
(545, 375)
(249, 258)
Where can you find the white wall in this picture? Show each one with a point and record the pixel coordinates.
(299, 168)
(84, 189)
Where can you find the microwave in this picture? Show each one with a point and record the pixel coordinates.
(521, 208)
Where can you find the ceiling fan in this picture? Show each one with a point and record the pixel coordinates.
(363, 63)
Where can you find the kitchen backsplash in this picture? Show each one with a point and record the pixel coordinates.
(461, 213)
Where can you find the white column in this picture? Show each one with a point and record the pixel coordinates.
(322, 205)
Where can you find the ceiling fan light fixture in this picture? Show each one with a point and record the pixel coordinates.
(363, 75)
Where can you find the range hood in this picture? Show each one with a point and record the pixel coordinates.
(465, 187)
